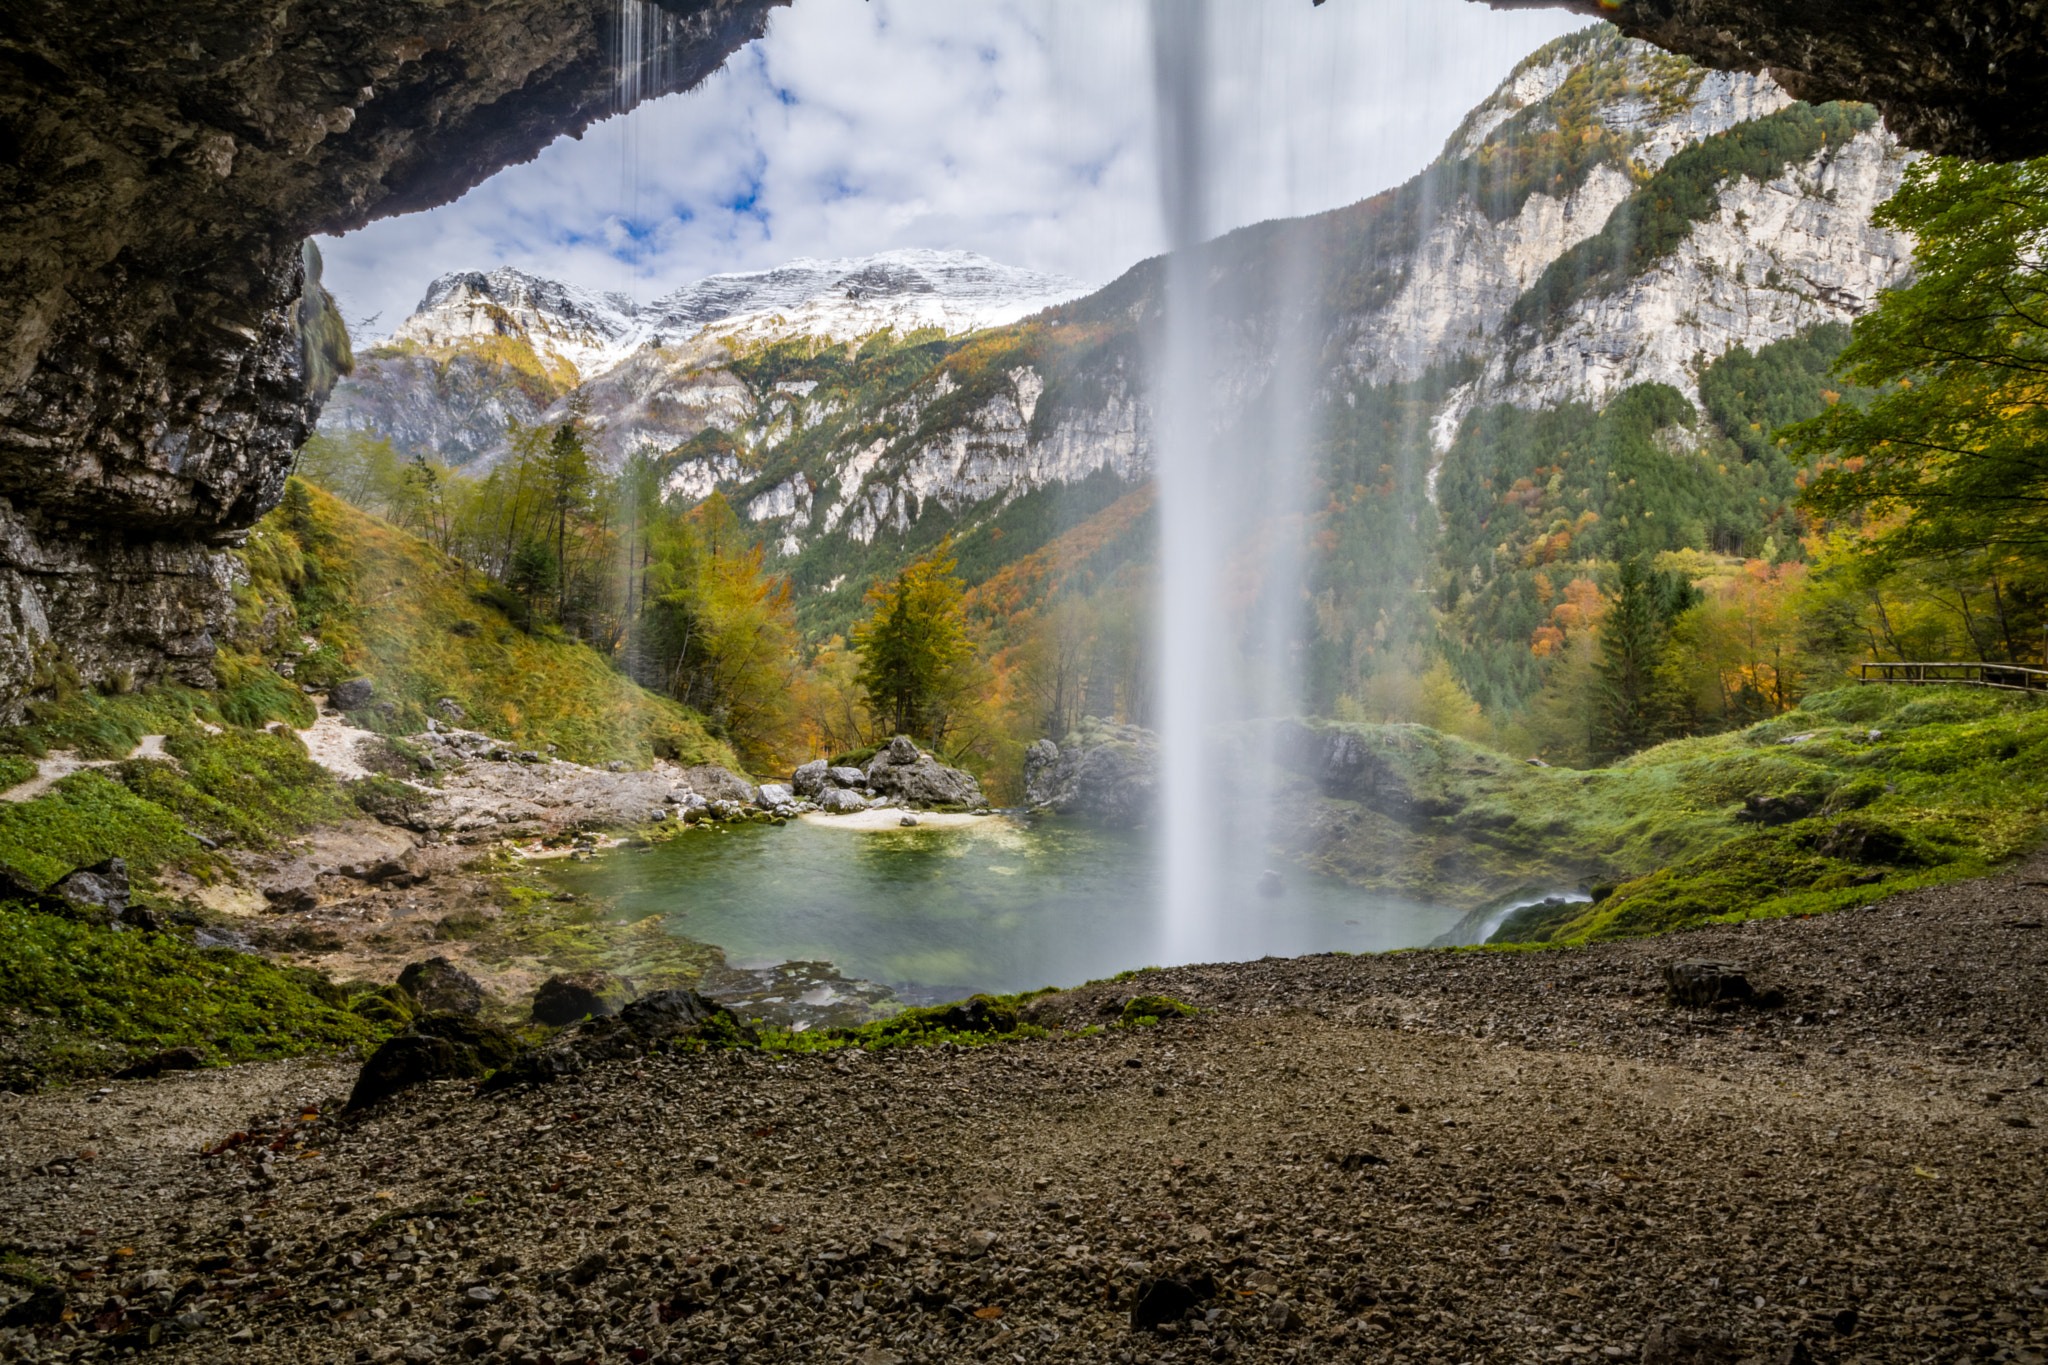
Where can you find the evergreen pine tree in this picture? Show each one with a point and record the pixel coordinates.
(1632, 639)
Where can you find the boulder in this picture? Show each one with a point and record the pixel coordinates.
(1168, 1299)
(567, 998)
(839, 801)
(102, 888)
(406, 1061)
(1102, 772)
(664, 1020)
(899, 770)
(847, 777)
(386, 1005)
(439, 1047)
(810, 779)
(439, 984)
(775, 794)
(714, 783)
(352, 695)
(492, 1046)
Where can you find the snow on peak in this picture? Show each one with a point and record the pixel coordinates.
(955, 291)
(590, 331)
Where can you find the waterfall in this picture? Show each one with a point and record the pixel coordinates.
(1232, 484)
(1191, 651)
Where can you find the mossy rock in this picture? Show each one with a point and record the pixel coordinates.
(1141, 1010)
(392, 1006)
(494, 1047)
(320, 986)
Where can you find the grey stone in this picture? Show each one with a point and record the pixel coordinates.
(900, 771)
(103, 886)
(775, 794)
(839, 801)
(810, 779)
(847, 777)
(718, 784)
(352, 695)
(1102, 772)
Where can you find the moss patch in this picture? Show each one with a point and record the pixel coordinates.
(84, 1001)
(1954, 780)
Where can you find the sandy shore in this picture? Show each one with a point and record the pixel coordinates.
(872, 820)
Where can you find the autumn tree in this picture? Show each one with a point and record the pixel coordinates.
(1945, 472)
(914, 650)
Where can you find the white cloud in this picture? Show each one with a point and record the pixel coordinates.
(1022, 129)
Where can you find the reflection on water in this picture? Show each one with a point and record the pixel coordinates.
(943, 912)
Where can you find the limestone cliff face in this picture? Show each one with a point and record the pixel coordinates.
(159, 168)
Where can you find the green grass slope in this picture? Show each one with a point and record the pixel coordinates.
(388, 606)
(1869, 790)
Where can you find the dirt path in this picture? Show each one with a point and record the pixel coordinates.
(64, 762)
(1423, 1157)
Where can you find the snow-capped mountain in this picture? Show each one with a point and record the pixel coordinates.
(907, 291)
(954, 291)
(589, 332)
(484, 350)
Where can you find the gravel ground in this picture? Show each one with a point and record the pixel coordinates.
(1419, 1157)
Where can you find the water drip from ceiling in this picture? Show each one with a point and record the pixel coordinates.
(644, 43)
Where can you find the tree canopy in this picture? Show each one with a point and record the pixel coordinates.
(1958, 442)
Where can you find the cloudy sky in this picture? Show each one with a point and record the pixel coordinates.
(1022, 129)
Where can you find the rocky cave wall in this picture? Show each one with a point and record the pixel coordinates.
(160, 166)
(1950, 77)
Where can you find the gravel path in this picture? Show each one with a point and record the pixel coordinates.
(1420, 1157)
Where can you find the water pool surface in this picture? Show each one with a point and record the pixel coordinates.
(939, 913)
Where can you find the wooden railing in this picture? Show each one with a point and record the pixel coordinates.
(2011, 677)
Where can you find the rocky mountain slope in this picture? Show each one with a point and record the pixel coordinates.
(484, 351)
(1610, 216)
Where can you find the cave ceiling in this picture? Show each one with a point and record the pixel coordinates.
(1955, 79)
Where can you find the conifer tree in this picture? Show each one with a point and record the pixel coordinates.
(914, 648)
(1634, 635)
